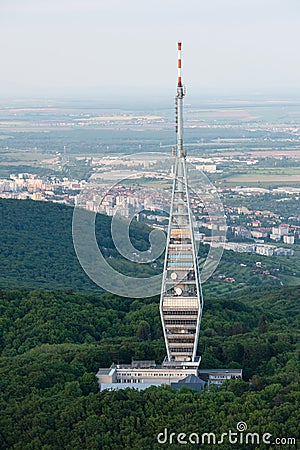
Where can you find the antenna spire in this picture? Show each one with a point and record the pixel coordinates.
(179, 106)
(179, 79)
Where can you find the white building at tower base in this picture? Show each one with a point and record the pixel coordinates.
(141, 375)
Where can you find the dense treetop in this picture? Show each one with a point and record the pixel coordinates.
(52, 344)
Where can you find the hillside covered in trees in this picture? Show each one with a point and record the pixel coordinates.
(57, 328)
(52, 344)
(36, 247)
(36, 251)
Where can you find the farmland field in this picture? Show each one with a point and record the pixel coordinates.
(264, 178)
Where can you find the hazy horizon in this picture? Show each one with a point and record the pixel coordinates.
(164, 100)
(105, 48)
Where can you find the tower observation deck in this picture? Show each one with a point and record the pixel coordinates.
(181, 301)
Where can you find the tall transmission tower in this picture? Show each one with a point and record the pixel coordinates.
(181, 300)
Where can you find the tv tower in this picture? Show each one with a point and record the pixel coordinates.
(181, 300)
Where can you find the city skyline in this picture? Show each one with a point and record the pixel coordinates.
(122, 49)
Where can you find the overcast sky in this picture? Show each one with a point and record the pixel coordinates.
(99, 47)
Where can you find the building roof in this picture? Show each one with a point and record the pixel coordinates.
(233, 371)
(191, 379)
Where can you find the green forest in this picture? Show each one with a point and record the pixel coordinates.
(36, 251)
(52, 344)
(57, 328)
(36, 247)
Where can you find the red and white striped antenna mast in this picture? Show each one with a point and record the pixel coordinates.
(179, 78)
(179, 106)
